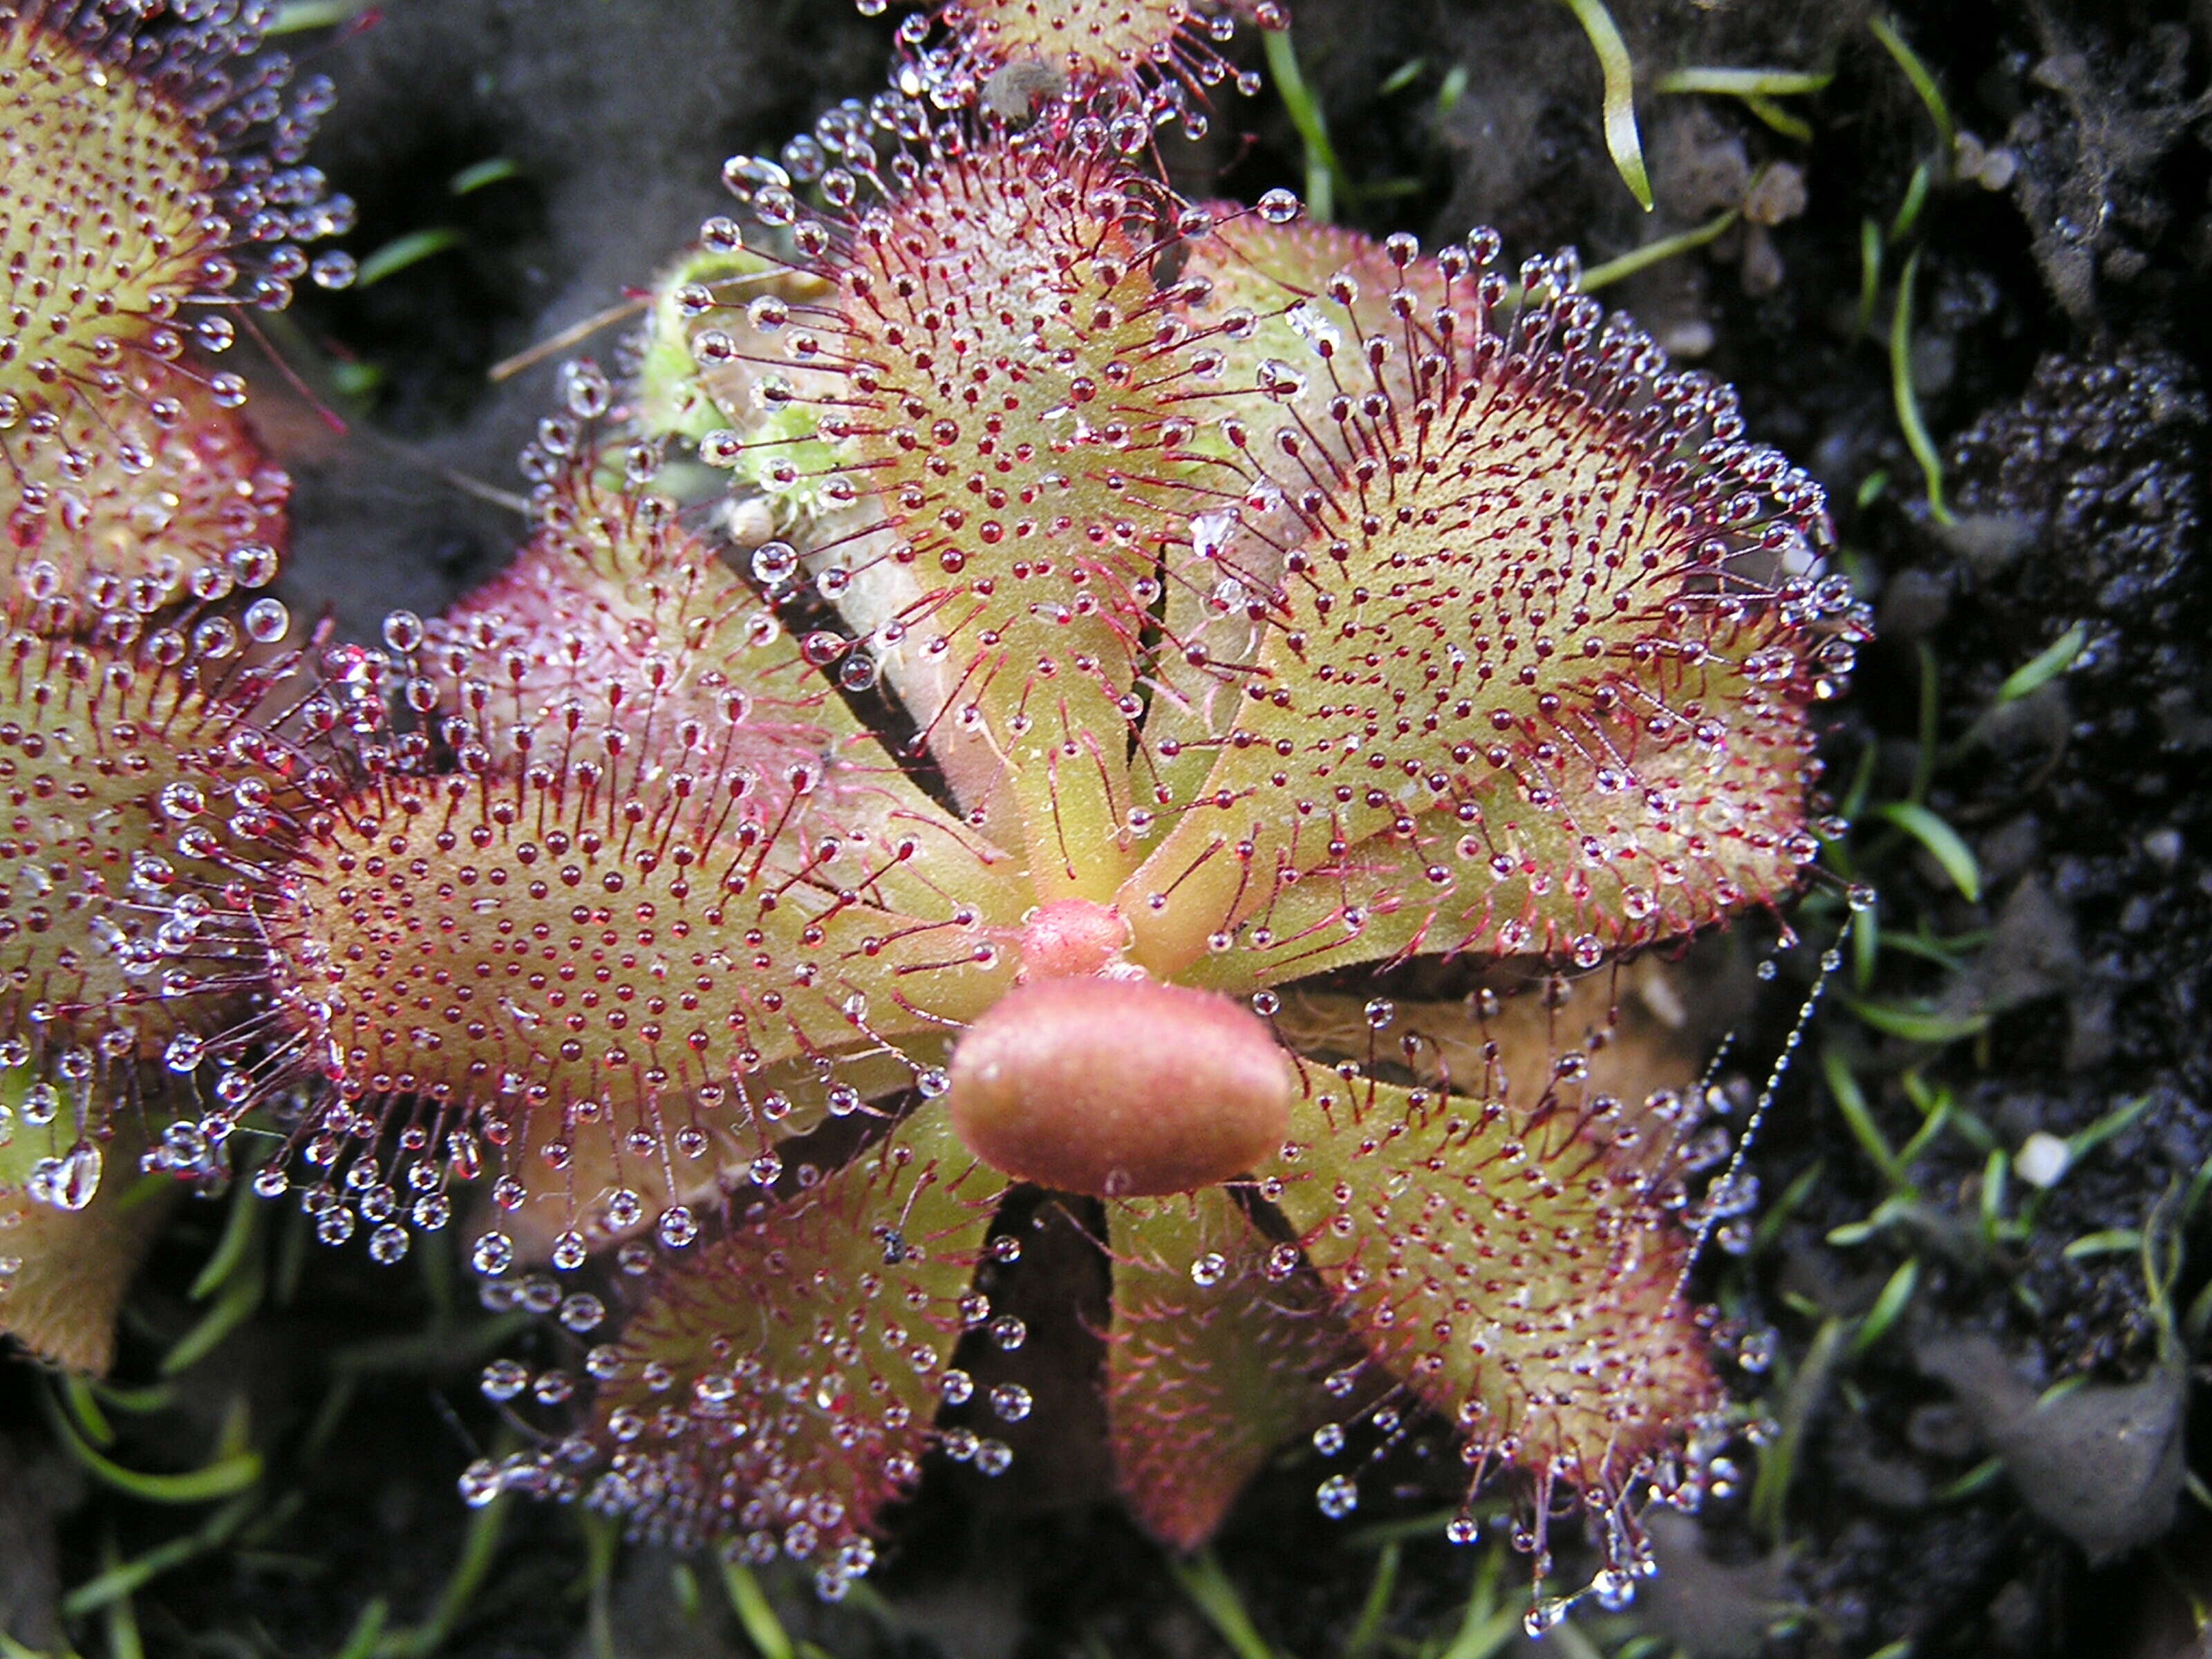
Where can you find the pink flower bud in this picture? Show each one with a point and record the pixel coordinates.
(1120, 1088)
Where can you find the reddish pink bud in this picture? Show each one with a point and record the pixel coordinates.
(1121, 1087)
(1072, 939)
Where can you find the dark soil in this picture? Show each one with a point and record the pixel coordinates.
(2058, 350)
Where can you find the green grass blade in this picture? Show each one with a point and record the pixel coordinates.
(1376, 1607)
(492, 170)
(1941, 841)
(2044, 667)
(1769, 1492)
(1923, 82)
(1621, 139)
(1918, 1024)
(396, 255)
(1651, 253)
(1889, 1307)
(361, 1641)
(1907, 398)
(479, 1549)
(1780, 119)
(295, 15)
(755, 1616)
(1743, 82)
(1324, 173)
(1851, 1100)
(224, 1477)
(119, 1580)
(1211, 1592)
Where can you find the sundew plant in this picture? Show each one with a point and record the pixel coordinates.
(996, 658)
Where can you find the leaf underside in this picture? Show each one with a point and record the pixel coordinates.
(780, 1384)
(1204, 1380)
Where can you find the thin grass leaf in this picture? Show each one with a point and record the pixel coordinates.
(1211, 1592)
(1430, 1523)
(2058, 1390)
(2193, 1195)
(1325, 174)
(1925, 949)
(123, 1641)
(1571, 1641)
(1983, 1475)
(683, 1583)
(1756, 89)
(1907, 398)
(492, 170)
(337, 1399)
(396, 255)
(1376, 1607)
(1454, 89)
(1652, 254)
(1937, 1120)
(238, 1229)
(2044, 667)
(1941, 841)
(119, 1580)
(1871, 257)
(240, 1300)
(1769, 1492)
(1855, 798)
(1622, 140)
(602, 1544)
(361, 1641)
(1888, 1308)
(1866, 945)
(1744, 82)
(479, 1549)
(755, 1616)
(1778, 1213)
(1996, 1172)
(1915, 197)
(2082, 1142)
(2112, 1241)
(1401, 77)
(148, 1188)
(224, 1477)
(295, 15)
(2194, 1322)
(1851, 1100)
(138, 1402)
(84, 1406)
(1916, 1025)
(1923, 82)
(1486, 1627)
(1779, 119)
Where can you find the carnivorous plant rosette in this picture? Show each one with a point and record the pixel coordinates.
(1227, 600)
(1099, 617)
